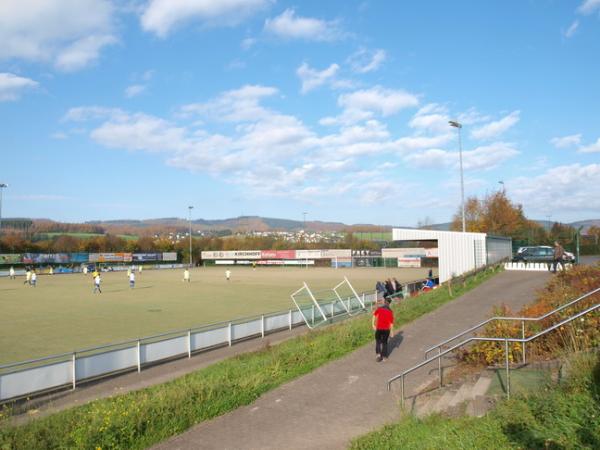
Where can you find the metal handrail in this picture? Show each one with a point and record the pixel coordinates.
(486, 339)
(522, 319)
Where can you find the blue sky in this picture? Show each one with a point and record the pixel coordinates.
(260, 107)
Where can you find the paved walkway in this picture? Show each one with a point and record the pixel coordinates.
(347, 398)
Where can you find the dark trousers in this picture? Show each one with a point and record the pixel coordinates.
(555, 264)
(381, 342)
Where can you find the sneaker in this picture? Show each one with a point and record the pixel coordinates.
(379, 359)
(384, 359)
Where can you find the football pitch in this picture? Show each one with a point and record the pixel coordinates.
(62, 314)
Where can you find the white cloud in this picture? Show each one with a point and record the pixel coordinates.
(162, 16)
(66, 33)
(496, 128)
(588, 6)
(84, 113)
(481, 158)
(431, 117)
(591, 148)
(572, 28)
(312, 78)
(134, 90)
(238, 105)
(488, 156)
(274, 154)
(12, 86)
(472, 116)
(364, 61)
(566, 141)
(140, 132)
(290, 26)
(364, 104)
(248, 43)
(59, 135)
(574, 187)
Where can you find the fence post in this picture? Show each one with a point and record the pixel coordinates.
(262, 326)
(523, 343)
(507, 368)
(440, 365)
(312, 317)
(189, 343)
(402, 392)
(229, 333)
(290, 318)
(139, 357)
(74, 374)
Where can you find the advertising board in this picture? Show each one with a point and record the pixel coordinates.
(78, 257)
(110, 257)
(232, 254)
(336, 253)
(144, 257)
(308, 254)
(10, 258)
(169, 256)
(366, 252)
(278, 254)
(409, 262)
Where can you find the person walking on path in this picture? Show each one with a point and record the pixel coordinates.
(186, 275)
(27, 277)
(383, 324)
(559, 253)
(132, 280)
(11, 273)
(33, 278)
(97, 282)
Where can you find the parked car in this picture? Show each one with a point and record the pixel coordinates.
(540, 253)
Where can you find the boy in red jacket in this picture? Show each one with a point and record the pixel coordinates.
(383, 324)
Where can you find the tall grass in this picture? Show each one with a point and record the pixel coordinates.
(138, 419)
(559, 417)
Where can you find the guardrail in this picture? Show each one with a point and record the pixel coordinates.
(42, 375)
(506, 341)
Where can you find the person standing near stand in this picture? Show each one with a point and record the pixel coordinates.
(559, 253)
(383, 324)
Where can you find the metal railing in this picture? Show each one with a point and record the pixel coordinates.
(439, 345)
(506, 341)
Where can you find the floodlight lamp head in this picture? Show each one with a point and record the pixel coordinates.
(455, 124)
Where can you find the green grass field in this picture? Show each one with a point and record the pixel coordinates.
(61, 314)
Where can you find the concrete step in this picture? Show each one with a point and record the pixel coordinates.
(426, 406)
(442, 403)
(462, 395)
(482, 386)
(479, 406)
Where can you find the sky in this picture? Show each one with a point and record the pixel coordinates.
(138, 109)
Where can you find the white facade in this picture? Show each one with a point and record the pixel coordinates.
(458, 252)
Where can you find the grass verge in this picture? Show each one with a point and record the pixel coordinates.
(141, 418)
(563, 417)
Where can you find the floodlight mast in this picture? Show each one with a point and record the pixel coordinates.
(190, 222)
(458, 126)
(2, 186)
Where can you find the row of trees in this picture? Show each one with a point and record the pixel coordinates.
(17, 243)
(496, 214)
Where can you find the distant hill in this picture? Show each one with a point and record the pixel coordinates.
(242, 223)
